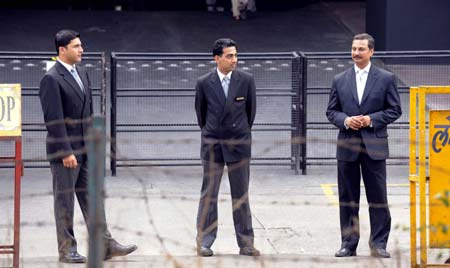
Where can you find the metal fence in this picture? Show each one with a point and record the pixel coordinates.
(152, 103)
(411, 69)
(152, 108)
(27, 69)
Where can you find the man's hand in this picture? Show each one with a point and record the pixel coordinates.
(353, 122)
(357, 122)
(70, 161)
(365, 120)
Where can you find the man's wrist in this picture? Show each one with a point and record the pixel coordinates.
(345, 123)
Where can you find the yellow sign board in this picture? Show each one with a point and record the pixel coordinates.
(439, 171)
(10, 110)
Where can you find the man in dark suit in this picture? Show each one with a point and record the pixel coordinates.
(66, 99)
(363, 101)
(225, 103)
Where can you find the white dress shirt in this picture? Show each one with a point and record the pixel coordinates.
(361, 79)
(68, 66)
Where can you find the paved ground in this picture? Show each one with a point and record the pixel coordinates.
(295, 219)
(315, 27)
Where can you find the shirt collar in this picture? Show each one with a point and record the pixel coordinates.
(221, 75)
(68, 66)
(365, 69)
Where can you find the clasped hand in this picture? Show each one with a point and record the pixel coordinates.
(357, 122)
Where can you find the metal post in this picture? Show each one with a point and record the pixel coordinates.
(303, 106)
(295, 106)
(299, 85)
(18, 170)
(413, 178)
(96, 168)
(113, 113)
(422, 178)
(103, 85)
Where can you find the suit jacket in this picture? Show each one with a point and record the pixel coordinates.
(380, 101)
(67, 112)
(225, 122)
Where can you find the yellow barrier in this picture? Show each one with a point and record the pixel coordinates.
(439, 180)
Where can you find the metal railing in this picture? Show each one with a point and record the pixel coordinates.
(27, 68)
(411, 68)
(152, 103)
(152, 108)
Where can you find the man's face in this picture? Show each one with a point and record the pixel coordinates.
(361, 53)
(228, 61)
(71, 53)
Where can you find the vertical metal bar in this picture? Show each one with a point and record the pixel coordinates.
(17, 183)
(303, 107)
(103, 86)
(413, 174)
(422, 177)
(113, 124)
(103, 89)
(295, 114)
(96, 167)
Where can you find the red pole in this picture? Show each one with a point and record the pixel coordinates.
(18, 173)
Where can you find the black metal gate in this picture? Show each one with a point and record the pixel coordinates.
(152, 108)
(411, 68)
(27, 69)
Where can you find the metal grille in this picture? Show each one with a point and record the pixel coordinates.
(152, 103)
(153, 120)
(27, 68)
(410, 68)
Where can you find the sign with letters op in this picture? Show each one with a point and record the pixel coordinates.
(439, 171)
(10, 110)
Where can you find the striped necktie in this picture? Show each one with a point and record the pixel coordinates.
(77, 78)
(225, 85)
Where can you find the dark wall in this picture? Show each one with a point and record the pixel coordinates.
(409, 24)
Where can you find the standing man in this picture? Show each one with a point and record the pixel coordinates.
(66, 99)
(363, 101)
(225, 103)
(239, 8)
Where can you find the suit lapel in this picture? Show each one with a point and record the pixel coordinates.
(352, 81)
(232, 90)
(372, 77)
(70, 80)
(217, 87)
(234, 86)
(84, 80)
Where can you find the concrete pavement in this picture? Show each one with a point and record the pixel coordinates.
(295, 218)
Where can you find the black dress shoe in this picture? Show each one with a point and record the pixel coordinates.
(114, 249)
(72, 257)
(249, 251)
(345, 252)
(447, 261)
(379, 253)
(204, 252)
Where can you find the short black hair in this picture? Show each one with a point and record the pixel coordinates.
(63, 38)
(220, 44)
(366, 36)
